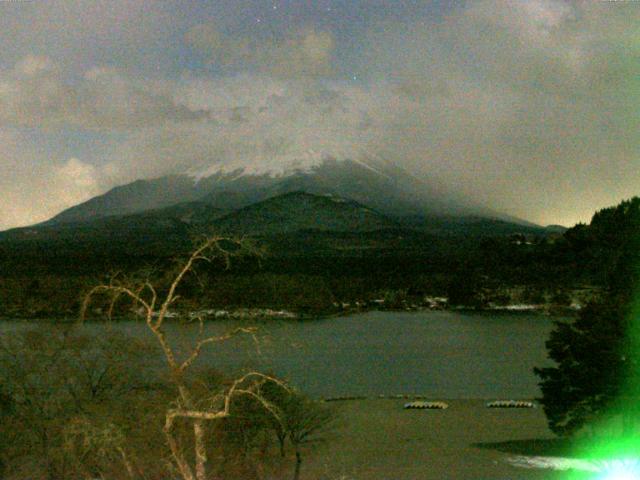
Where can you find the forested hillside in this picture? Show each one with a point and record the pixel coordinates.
(476, 262)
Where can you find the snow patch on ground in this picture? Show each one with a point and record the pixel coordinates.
(553, 463)
(626, 467)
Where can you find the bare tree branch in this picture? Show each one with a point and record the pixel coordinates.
(201, 343)
(154, 312)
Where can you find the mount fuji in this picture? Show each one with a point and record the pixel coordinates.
(375, 183)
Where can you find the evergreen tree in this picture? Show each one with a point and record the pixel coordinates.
(590, 355)
(597, 355)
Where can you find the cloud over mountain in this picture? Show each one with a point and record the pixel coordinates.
(529, 107)
(35, 94)
(305, 52)
(44, 188)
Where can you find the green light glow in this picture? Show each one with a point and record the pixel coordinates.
(615, 449)
(620, 475)
(621, 470)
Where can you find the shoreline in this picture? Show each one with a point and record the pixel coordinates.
(267, 314)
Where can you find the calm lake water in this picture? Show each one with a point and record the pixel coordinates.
(439, 354)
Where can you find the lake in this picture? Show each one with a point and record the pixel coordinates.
(451, 355)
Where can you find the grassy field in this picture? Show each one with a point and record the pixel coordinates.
(378, 439)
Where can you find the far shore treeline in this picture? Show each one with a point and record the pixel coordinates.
(477, 263)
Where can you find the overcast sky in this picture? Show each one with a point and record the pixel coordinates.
(531, 107)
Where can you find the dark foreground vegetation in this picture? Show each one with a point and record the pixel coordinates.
(596, 380)
(84, 407)
(75, 406)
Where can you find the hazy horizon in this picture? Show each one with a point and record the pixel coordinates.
(531, 108)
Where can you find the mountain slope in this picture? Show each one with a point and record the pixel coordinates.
(135, 197)
(168, 230)
(297, 211)
(381, 185)
(163, 231)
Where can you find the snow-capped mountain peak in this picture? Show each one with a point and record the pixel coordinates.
(369, 180)
(280, 166)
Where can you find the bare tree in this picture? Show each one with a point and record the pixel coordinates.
(303, 421)
(50, 378)
(195, 410)
(93, 446)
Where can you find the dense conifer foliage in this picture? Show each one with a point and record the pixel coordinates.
(597, 355)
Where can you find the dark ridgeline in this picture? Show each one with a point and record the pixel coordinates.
(321, 249)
